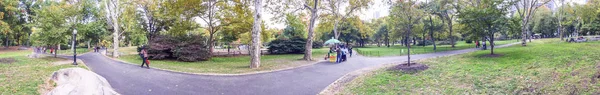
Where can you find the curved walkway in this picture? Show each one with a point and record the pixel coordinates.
(130, 79)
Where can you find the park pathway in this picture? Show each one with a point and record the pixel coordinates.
(130, 79)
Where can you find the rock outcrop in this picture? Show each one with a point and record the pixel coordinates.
(78, 81)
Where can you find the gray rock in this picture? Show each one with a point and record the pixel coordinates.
(78, 81)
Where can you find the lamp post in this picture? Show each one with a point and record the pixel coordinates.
(74, 48)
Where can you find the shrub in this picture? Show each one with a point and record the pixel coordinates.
(469, 41)
(161, 46)
(426, 42)
(294, 45)
(192, 49)
(317, 44)
(186, 48)
(445, 42)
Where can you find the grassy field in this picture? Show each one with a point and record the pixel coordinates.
(231, 65)
(398, 50)
(24, 76)
(547, 66)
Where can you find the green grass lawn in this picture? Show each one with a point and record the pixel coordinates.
(548, 66)
(231, 65)
(398, 50)
(25, 76)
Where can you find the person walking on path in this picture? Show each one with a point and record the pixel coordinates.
(476, 44)
(350, 51)
(338, 55)
(144, 55)
(484, 46)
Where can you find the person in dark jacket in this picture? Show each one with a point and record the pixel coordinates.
(144, 55)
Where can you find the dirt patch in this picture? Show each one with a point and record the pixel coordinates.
(409, 68)
(7, 60)
(492, 55)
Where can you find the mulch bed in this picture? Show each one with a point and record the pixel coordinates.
(413, 67)
(7, 60)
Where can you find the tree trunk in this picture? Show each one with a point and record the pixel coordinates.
(56, 50)
(29, 39)
(88, 44)
(492, 44)
(115, 52)
(336, 33)
(450, 29)
(523, 35)
(431, 33)
(6, 41)
(211, 43)
(128, 43)
(17, 38)
(408, 45)
(423, 38)
(530, 35)
(256, 29)
(311, 33)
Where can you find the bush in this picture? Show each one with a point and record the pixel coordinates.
(294, 45)
(426, 42)
(192, 49)
(187, 48)
(317, 44)
(445, 42)
(469, 41)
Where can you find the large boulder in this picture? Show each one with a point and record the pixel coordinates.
(78, 81)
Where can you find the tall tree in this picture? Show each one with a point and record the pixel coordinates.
(282, 7)
(406, 15)
(9, 19)
(433, 24)
(240, 15)
(342, 9)
(526, 9)
(256, 29)
(113, 12)
(151, 17)
(485, 18)
(210, 13)
(50, 19)
(445, 9)
(560, 27)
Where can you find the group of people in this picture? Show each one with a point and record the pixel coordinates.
(478, 45)
(341, 53)
(97, 48)
(43, 50)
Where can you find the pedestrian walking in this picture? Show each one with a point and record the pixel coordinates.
(484, 46)
(476, 44)
(350, 50)
(338, 55)
(144, 55)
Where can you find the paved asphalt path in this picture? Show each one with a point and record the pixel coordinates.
(130, 79)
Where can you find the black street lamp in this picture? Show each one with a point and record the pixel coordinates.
(74, 47)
